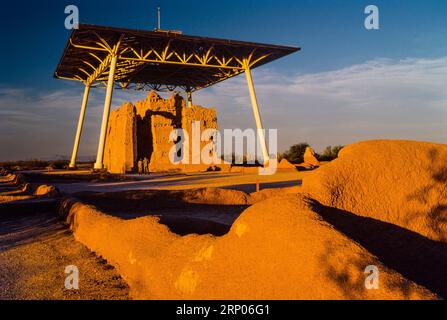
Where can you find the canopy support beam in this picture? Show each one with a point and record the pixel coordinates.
(99, 165)
(257, 115)
(74, 154)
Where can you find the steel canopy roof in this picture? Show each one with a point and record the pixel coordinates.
(159, 60)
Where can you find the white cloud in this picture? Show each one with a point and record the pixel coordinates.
(404, 99)
(383, 98)
(42, 125)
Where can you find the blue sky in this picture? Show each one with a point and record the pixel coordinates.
(347, 84)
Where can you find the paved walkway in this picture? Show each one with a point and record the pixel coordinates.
(243, 182)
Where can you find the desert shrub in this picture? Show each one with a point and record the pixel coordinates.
(239, 159)
(59, 164)
(295, 154)
(280, 156)
(34, 164)
(25, 165)
(330, 153)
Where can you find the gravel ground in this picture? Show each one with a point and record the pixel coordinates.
(34, 252)
(35, 249)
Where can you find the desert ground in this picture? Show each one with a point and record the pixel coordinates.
(36, 245)
(303, 235)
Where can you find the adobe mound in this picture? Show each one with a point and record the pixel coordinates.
(310, 158)
(46, 191)
(275, 250)
(284, 250)
(400, 182)
(216, 196)
(285, 165)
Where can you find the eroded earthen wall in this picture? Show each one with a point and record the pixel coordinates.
(143, 131)
(120, 151)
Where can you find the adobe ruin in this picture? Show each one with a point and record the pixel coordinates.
(140, 131)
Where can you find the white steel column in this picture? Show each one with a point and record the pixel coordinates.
(74, 154)
(254, 104)
(105, 116)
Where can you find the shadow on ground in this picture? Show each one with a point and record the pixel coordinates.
(433, 196)
(417, 258)
(25, 223)
(251, 187)
(179, 215)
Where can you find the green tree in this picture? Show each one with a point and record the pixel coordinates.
(295, 154)
(330, 153)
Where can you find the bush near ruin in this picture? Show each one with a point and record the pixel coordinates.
(330, 153)
(34, 164)
(295, 154)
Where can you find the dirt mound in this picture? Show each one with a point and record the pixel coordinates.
(273, 251)
(26, 188)
(265, 194)
(286, 165)
(400, 182)
(156, 199)
(12, 178)
(13, 187)
(47, 191)
(13, 198)
(216, 196)
(310, 158)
